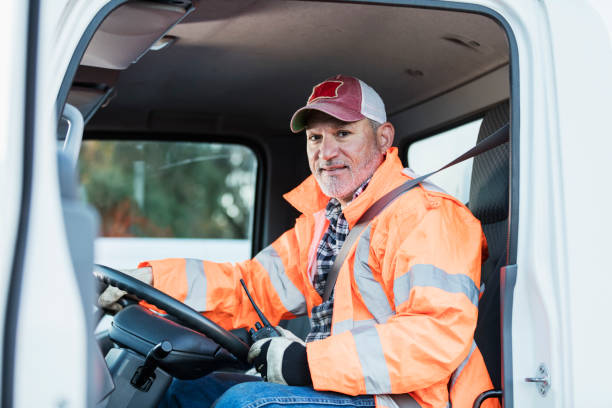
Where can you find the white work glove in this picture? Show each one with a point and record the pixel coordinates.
(108, 299)
(289, 335)
(282, 359)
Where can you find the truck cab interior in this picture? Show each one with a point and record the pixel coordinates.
(220, 72)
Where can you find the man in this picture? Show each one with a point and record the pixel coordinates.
(398, 328)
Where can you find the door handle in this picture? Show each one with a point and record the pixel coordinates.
(542, 379)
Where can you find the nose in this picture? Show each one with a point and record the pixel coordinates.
(328, 148)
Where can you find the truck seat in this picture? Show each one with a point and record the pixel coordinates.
(489, 202)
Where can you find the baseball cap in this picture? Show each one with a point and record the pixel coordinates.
(343, 97)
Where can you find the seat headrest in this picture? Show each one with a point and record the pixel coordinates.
(489, 187)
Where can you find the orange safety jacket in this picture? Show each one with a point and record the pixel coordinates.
(405, 302)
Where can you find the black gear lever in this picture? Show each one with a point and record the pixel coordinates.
(143, 378)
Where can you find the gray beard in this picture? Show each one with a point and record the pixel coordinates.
(334, 188)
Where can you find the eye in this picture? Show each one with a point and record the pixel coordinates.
(313, 137)
(343, 133)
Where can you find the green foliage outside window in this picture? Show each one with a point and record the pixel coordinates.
(170, 189)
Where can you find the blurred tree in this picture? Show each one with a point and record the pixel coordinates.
(170, 189)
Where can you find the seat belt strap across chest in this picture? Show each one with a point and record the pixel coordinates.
(499, 137)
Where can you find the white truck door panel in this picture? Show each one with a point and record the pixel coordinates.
(13, 25)
(560, 313)
(51, 340)
(561, 301)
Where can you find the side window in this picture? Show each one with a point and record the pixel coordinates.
(169, 199)
(435, 151)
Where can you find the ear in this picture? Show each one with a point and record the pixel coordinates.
(384, 135)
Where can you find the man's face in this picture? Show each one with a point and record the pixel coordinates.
(341, 155)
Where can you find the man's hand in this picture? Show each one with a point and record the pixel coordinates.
(108, 299)
(289, 335)
(281, 360)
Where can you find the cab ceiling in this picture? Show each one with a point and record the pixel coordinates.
(252, 63)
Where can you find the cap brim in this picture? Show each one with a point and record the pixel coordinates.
(298, 121)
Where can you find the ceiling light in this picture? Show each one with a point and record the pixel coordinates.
(163, 42)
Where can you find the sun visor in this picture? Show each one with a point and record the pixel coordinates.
(92, 88)
(119, 41)
(88, 99)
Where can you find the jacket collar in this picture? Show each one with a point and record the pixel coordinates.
(309, 199)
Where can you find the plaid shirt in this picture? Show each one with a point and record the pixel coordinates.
(334, 237)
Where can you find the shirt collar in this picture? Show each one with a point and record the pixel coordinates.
(334, 207)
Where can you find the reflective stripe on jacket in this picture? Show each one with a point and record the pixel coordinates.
(405, 302)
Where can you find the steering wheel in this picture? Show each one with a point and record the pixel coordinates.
(188, 316)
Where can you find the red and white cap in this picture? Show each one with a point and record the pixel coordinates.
(343, 97)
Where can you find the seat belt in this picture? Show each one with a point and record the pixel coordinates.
(497, 138)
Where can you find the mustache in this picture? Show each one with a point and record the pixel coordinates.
(331, 163)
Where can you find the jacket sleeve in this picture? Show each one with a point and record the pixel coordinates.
(427, 267)
(275, 279)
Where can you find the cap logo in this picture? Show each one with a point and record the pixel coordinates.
(327, 89)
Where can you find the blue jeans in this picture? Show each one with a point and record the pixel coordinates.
(230, 391)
